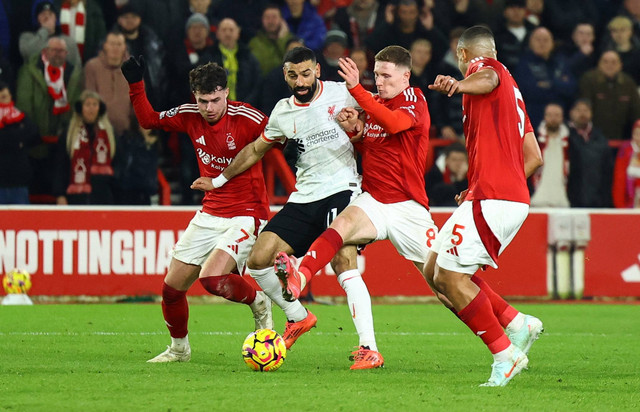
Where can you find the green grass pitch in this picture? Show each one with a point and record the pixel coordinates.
(92, 358)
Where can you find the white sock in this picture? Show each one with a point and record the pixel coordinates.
(516, 324)
(180, 344)
(270, 284)
(359, 302)
(504, 355)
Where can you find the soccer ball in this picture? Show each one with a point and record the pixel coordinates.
(264, 350)
(17, 281)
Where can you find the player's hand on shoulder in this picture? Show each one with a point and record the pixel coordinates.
(460, 198)
(202, 183)
(445, 84)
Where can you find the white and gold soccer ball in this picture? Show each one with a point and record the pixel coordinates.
(264, 350)
(17, 281)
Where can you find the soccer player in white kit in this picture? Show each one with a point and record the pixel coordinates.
(217, 241)
(326, 181)
(503, 152)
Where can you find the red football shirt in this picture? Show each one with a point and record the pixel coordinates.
(216, 145)
(393, 165)
(494, 126)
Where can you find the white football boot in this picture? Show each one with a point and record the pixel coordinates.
(528, 333)
(503, 372)
(172, 355)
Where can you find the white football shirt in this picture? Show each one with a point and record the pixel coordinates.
(326, 163)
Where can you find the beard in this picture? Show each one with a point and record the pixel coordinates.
(305, 98)
(553, 128)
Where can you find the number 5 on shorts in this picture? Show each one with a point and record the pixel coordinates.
(457, 236)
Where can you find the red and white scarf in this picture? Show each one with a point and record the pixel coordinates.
(9, 114)
(54, 78)
(72, 23)
(89, 158)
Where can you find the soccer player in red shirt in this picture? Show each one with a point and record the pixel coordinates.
(217, 241)
(503, 152)
(394, 142)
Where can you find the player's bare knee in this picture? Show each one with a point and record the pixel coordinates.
(260, 259)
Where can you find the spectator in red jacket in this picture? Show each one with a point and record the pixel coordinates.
(626, 174)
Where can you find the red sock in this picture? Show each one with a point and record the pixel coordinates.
(231, 287)
(503, 311)
(175, 310)
(479, 317)
(320, 253)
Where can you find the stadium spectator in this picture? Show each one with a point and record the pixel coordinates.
(7, 71)
(165, 17)
(270, 42)
(581, 50)
(46, 85)
(304, 22)
(550, 181)
(246, 13)
(465, 13)
(621, 39)
(84, 169)
(136, 166)
(207, 7)
(561, 16)
(17, 135)
(274, 88)
(45, 22)
(334, 48)
(497, 198)
(197, 48)
(450, 56)
(626, 175)
(215, 245)
(315, 203)
(83, 21)
(402, 27)
(631, 9)
(535, 8)
(590, 175)
(613, 95)
(143, 41)
(243, 69)
(445, 112)
(102, 74)
(448, 176)
(358, 20)
(512, 36)
(544, 76)
(5, 31)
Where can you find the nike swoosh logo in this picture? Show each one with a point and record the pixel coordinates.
(507, 374)
(481, 332)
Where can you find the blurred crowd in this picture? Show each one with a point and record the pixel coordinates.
(68, 133)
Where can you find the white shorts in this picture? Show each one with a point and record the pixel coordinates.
(477, 233)
(408, 225)
(235, 236)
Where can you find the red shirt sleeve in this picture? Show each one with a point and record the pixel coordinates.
(393, 121)
(149, 118)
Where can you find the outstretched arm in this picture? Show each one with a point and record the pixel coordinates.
(480, 82)
(393, 121)
(532, 155)
(247, 157)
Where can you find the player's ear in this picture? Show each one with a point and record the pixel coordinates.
(317, 70)
(226, 93)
